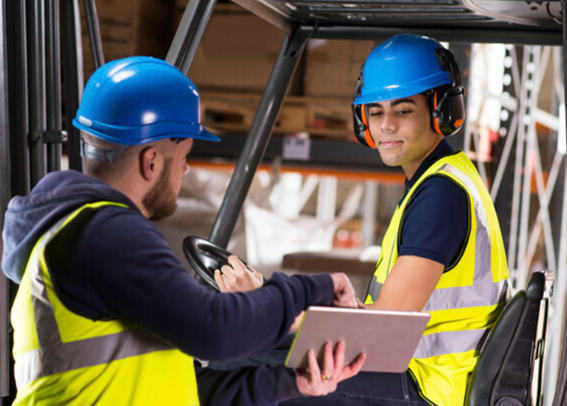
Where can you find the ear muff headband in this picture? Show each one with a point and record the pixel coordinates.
(447, 102)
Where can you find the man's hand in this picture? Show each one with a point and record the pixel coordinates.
(344, 292)
(315, 381)
(236, 277)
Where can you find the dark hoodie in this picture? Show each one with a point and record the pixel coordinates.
(120, 267)
(28, 217)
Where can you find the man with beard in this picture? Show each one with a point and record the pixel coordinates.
(105, 313)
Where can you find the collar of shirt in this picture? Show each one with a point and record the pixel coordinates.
(443, 149)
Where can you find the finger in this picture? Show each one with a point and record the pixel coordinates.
(257, 274)
(259, 277)
(220, 282)
(340, 351)
(354, 368)
(346, 300)
(237, 264)
(253, 271)
(350, 294)
(231, 286)
(328, 362)
(344, 292)
(229, 274)
(314, 367)
(360, 305)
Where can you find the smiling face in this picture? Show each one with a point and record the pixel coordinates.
(402, 132)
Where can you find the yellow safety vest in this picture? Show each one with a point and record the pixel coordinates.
(63, 358)
(469, 296)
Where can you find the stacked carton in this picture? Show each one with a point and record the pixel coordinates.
(235, 57)
(332, 67)
(237, 52)
(128, 28)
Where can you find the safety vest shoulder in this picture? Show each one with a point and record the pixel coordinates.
(469, 296)
(64, 358)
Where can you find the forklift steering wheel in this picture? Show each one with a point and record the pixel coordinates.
(205, 257)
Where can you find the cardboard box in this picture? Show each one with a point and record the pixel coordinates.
(333, 66)
(237, 53)
(129, 28)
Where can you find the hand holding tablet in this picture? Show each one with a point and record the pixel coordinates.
(389, 338)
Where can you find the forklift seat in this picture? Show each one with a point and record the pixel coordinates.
(510, 369)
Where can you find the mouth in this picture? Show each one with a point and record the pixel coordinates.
(390, 144)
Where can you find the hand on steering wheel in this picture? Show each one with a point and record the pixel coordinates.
(205, 258)
(237, 277)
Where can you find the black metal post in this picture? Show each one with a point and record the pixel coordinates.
(73, 74)
(258, 137)
(94, 33)
(189, 33)
(37, 100)
(53, 84)
(16, 40)
(5, 194)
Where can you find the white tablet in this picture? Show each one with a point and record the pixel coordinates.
(389, 338)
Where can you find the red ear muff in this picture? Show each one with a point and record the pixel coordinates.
(434, 118)
(367, 137)
(361, 129)
(359, 115)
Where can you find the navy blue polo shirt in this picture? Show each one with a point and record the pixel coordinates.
(436, 221)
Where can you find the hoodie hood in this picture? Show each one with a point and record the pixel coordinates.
(29, 217)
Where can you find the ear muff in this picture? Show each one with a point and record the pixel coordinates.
(446, 102)
(447, 110)
(360, 120)
(361, 129)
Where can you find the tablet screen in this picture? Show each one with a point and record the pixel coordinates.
(389, 338)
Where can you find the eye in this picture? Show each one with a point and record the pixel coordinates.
(375, 112)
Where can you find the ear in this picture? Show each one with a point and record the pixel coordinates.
(149, 161)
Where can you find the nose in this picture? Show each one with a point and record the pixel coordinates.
(388, 123)
(185, 167)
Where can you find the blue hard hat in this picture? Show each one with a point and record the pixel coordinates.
(140, 99)
(402, 66)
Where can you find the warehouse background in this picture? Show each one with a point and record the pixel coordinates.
(309, 220)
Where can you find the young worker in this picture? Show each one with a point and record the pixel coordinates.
(443, 251)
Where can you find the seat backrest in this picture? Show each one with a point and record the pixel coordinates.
(509, 370)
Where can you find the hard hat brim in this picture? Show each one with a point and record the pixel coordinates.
(113, 133)
(207, 136)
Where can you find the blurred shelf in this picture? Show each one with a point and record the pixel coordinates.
(344, 159)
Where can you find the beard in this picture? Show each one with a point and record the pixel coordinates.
(161, 202)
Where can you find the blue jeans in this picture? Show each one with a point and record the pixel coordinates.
(368, 389)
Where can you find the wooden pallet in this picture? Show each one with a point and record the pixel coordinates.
(235, 112)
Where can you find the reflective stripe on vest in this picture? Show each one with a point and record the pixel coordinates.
(469, 296)
(69, 346)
